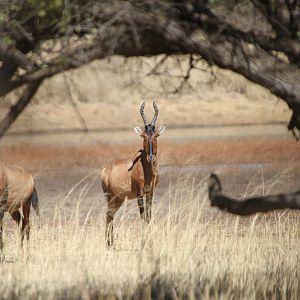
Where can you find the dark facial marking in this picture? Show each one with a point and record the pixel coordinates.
(150, 131)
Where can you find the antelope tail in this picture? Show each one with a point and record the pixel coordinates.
(35, 202)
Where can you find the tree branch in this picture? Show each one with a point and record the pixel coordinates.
(67, 60)
(211, 23)
(251, 205)
(17, 108)
(131, 28)
(8, 52)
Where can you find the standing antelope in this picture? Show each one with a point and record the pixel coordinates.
(133, 178)
(17, 191)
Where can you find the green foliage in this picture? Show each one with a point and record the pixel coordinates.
(43, 16)
(214, 3)
(65, 19)
(3, 17)
(8, 40)
(48, 13)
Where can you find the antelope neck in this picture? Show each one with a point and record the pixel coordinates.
(149, 168)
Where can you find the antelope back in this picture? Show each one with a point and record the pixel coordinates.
(123, 178)
(3, 181)
(20, 186)
(116, 179)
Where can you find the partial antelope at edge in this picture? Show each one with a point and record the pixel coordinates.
(17, 194)
(133, 178)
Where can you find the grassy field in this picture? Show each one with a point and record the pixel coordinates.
(186, 254)
(189, 251)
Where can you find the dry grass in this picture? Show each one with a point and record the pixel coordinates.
(190, 252)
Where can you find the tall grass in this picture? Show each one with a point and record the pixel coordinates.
(189, 251)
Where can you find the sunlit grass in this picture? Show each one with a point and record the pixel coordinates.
(190, 251)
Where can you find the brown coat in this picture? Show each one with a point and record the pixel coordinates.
(17, 191)
(133, 178)
(128, 178)
(16, 186)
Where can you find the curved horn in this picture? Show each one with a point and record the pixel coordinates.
(142, 113)
(155, 114)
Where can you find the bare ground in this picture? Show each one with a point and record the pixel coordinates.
(248, 166)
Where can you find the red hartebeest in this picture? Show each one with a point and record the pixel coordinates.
(17, 191)
(133, 178)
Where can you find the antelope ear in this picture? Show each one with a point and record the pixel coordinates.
(138, 130)
(161, 129)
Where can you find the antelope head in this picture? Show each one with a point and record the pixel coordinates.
(150, 134)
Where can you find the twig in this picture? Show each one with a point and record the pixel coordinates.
(74, 105)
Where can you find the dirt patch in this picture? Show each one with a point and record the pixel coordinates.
(64, 175)
(36, 157)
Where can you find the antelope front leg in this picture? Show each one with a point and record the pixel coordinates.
(109, 229)
(149, 196)
(140, 203)
(147, 217)
(1, 233)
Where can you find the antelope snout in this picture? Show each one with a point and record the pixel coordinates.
(151, 158)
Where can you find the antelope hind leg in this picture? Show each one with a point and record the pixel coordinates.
(1, 234)
(16, 215)
(113, 205)
(25, 230)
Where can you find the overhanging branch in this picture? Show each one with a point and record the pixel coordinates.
(176, 27)
(251, 205)
(8, 52)
(212, 24)
(17, 108)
